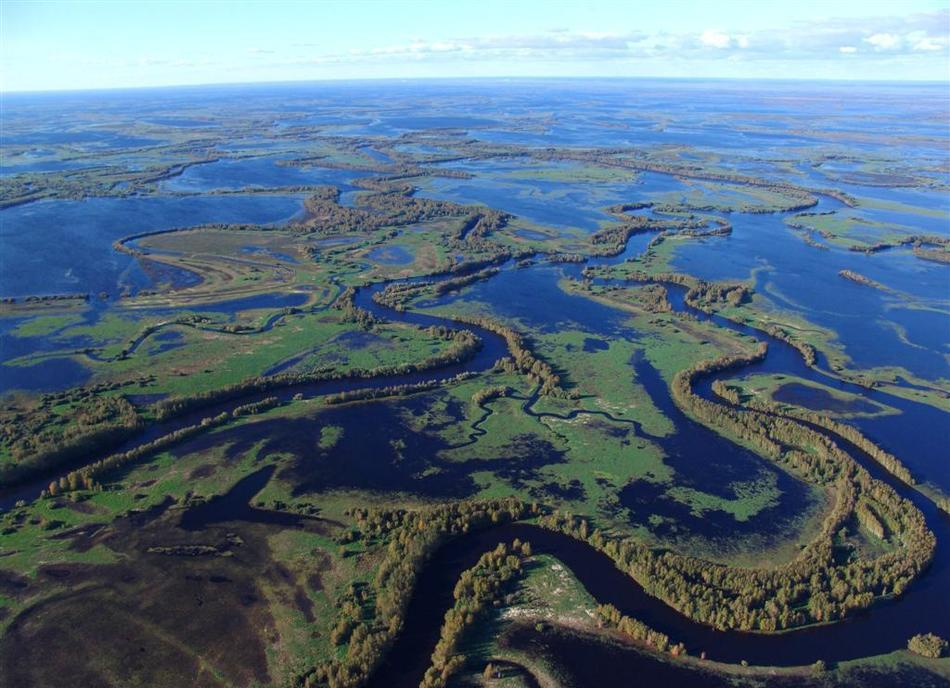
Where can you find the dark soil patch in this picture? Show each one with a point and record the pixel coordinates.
(203, 471)
(158, 618)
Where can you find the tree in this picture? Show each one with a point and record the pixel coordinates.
(927, 645)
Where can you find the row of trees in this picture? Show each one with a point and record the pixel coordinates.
(612, 240)
(376, 616)
(457, 283)
(64, 427)
(814, 587)
(858, 278)
(889, 461)
(523, 359)
(652, 298)
(388, 203)
(608, 615)
(464, 345)
(611, 158)
(927, 645)
(86, 478)
(478, 590)
(918, 242)
(41, 438)
(868, 519)
(350, 312)
(399, 294)
(933, 255)
(391, 390)
(486, 394)
(829, 589)
(482, 224)
(707, 296)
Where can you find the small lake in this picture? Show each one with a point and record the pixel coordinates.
(391, 255)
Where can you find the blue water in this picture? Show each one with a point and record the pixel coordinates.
(52, 165)
(34, 236)
(87, 138)
(771, 128)
(805, 280)
(701, 458)
(556, 204)
(256, 173)
(391, 255)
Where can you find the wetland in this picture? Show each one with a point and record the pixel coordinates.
(418, 383)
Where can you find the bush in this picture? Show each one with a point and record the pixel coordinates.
(927, 645)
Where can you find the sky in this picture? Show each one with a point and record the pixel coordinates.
(77, 44)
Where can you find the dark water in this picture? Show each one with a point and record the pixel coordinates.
(587, 661)
(183, 122)
(923, 606)
(166, 341)
(30, 234)
(234, 506)
(51, 370)
(52, 165)
(553, 203)
(391, 255)
(924, 452)
(592, 344)
(706, 461)
(886, 627)
(701, 458)
(86, 138)
(493, 348)
(256, 173)
(44, 376)
(819, 399)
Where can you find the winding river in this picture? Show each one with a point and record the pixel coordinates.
(883, 628)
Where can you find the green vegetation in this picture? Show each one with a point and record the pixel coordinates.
(477, 589)
(235, 496)
(369, 620)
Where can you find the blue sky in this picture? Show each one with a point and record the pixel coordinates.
(69, 45)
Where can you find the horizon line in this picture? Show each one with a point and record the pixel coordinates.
(613, 77)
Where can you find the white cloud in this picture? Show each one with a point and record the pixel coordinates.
(918, 36)
(884, 41)
(929, 44)
(715, 39)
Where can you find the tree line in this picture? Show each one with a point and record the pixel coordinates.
(888, 461)
(609, 158)
(368, 393)
(611, 617)
(49, 448)
(41, 438)
(86, 478)
(368, 621)
(478, 590)
(522, 360)
(813, 588)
